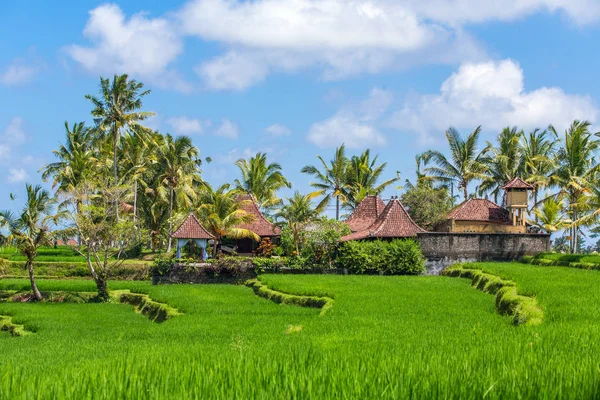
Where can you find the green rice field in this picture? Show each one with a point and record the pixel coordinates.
(385, 337)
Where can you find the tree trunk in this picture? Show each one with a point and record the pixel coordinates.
(135, 201)
(115, 171)
(34, 288)
(535, 203)
(102, 288)
(170, 221)
(465, 193)
(337, 208)
(215, 243)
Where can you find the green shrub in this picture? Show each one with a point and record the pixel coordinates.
(398, 257)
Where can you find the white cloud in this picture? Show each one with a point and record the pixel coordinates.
(18, 72)
(187, 126)
(17, 175)
(491, 94)
(14, 134)
(235, 154)
(4, 152)
(278, 130)
(227, 129)
(354, 127)
(141, 46)
(232, 71)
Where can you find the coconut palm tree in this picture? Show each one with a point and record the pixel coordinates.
(576, 171)
(538, 161)
(221, 214)
(179, 166)
(76, 159)
(298, 212)
(550, 215)
(261, 179)
(465, 164)
(332, 180)
(504, 162)
(362, 178)
(116, 109)
(31, 228)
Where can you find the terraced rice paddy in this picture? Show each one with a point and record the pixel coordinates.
(384, 337)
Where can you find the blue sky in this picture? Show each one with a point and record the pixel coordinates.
(296, 78)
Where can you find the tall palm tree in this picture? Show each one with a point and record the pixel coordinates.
(332, 180)
(298, 211)
(261, 179)
(576, 170)
(465, 165)
(550, 215)
(504, 162)
(179, 164)
(221, 214)
(31, 228)
(538, 161)
(116, 109)
(362, 178)
(76, 159)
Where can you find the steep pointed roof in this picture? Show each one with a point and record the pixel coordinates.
(259, 225)
(191, 228)
(479, 210)
(394, 222)
(518, 183)
(365, 213)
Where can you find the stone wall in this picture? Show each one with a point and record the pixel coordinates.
(481, 246)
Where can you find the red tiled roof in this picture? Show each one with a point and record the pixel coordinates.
(394, 222)
(517, 183)
(365, 213)
(191, 228)
(479, 210)
(260, 225)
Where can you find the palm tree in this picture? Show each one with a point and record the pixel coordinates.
(31, 229)
(538, 161)
(331, 182)
(576, 170)
(179, 164)
(221, 214)
(297, 213)
(116, 109)
(363, 173)
(465, 164)
(504, 163)
(550, 216)
(76, 159)
(261, 179)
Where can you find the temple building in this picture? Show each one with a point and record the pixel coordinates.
(392, 222)
(259, 225)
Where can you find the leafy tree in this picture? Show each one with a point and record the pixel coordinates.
(362, 177)
(320, 242)
(116, 109)
(538, 161)
(31, 228)
(550, 216)
(221, 214)
(261, 179)
(332, 180)
(465, 164)
(297, 213)
(576, 171)
(504, 162)
(427, 205)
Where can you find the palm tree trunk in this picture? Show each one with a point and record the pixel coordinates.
(170, 221)
(135, 201)
(465, 193)
(115, 171)
(337, 208)
(34, 288)
(535, 201)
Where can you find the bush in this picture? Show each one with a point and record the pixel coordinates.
(398, 257)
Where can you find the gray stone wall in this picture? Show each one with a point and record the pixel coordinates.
(481, 246)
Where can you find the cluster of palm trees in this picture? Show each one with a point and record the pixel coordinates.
(562, 165)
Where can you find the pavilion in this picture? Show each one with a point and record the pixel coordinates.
(192, 230)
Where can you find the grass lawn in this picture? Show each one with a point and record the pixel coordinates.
(385, 337)
(45, 254)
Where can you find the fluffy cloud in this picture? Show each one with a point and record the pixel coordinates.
(187, 126)
(17, 175)
(227, 129)
(18, 72)
(14, 134)
(278, 130)
(491, 94)
(141, 46)
(356, 127)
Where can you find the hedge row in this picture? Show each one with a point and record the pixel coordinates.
(155, 311)
(559, 262)
(262, 290)
(523, 309)
(7, 325)
(396, 257)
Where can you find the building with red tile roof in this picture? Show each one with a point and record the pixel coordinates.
(518, 183)
(259, 225)
(480, 216)
(191, 228)
(365, 213)
(393, 222)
